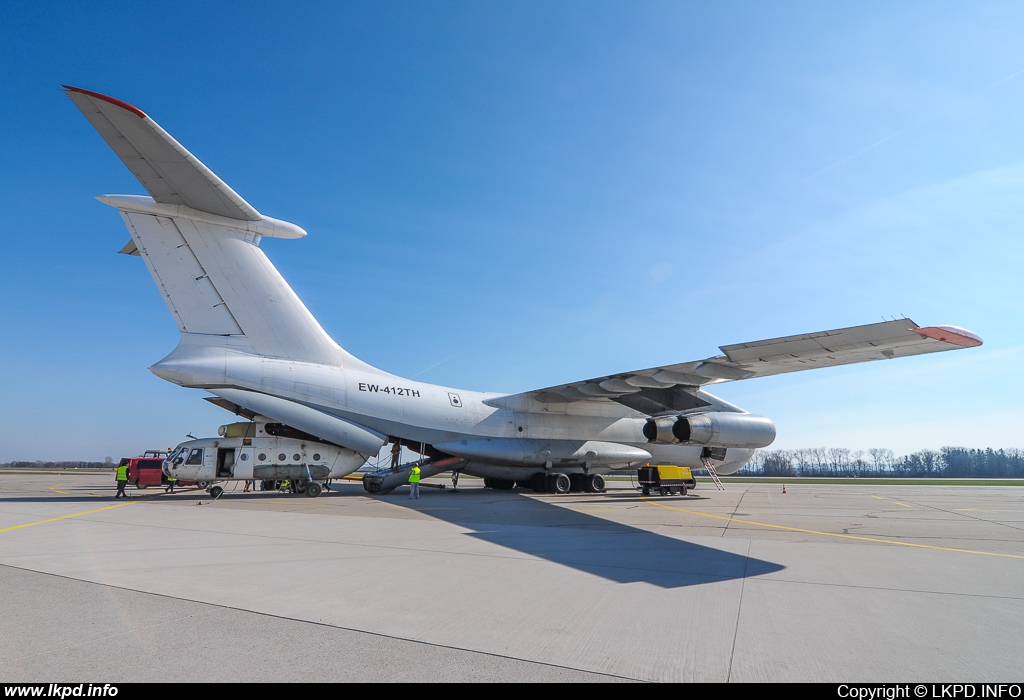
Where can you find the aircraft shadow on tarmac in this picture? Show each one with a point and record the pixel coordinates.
(559, 534)
(585, 542)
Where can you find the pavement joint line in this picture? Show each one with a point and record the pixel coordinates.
(219, 607)
(836, 534)
(888, 589)
(419, 508)
(962, 513)
(739, 613)
(65, 517)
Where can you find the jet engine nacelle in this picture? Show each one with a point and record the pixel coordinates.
(717, 428)
(660, 429)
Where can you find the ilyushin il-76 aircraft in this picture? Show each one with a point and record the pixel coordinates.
(316, 412)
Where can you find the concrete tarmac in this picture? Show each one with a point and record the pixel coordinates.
(843, 583)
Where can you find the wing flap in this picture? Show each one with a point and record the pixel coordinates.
(677, 387)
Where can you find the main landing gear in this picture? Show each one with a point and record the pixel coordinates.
(310, 488)
(552, 483)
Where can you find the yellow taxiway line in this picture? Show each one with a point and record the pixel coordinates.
(896, 502)
(65, 517)
(834, 534)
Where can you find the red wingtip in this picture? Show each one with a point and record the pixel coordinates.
(106, 98)
(951, 335)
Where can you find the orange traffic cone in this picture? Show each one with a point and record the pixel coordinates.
(783, 488)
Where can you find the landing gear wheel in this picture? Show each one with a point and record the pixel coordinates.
(559, 483)
(313, 490)
(202, 484)
(216, 492)
(594, 483)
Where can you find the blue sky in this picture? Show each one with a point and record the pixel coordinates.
(509, 195)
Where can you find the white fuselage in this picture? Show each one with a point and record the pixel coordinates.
(418, 412)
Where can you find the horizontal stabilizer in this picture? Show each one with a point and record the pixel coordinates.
(169, 173)
(130, 249)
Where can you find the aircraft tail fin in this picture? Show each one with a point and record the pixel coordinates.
(200, 241)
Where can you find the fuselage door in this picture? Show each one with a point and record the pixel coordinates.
(225, 462)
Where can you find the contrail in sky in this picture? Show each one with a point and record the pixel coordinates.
(893, 135)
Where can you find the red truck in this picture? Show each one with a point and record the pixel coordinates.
(147, 470)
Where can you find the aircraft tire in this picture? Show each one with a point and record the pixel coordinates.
(216, 492)
(503, 484)
(559, 483)
(314, 490)
(202, 484)
(594, 483)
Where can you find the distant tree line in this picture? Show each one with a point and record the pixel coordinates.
(108, 463)
(948, 462)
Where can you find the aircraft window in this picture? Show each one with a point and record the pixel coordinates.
(316, 456)
(282, 457)
(244, 457)
(296, 457)
(263, 457)
(196, 457)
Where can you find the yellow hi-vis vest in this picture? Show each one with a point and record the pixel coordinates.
(414, 475)
(122, 473)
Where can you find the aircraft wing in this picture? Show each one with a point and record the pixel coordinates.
(165, 168)
(677, 387)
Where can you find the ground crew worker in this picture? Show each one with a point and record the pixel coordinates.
(122, 481)
(414, 482)
(286, 485)
(170, 484)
